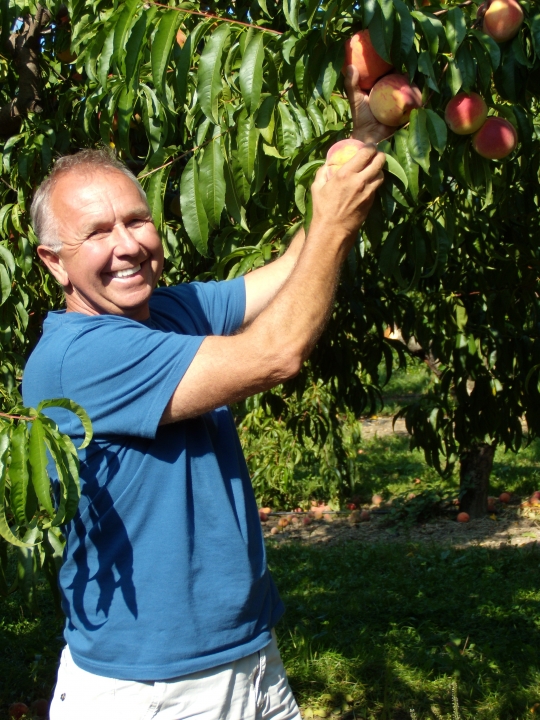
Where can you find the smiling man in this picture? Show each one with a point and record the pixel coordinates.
(169, 603)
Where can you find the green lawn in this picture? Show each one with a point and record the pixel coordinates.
(385, 629)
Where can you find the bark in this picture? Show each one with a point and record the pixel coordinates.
(475, 469)
(23, 47)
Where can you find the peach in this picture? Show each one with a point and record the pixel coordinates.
(393, 98)
(340, 153)
(263, 517)
(181, 38)
(466, 113)
(502, 19)
(496, 139)
(377, 499)
(463, 517)
(359, 51)
(17, 710)
(365, 516)
(504, 497)
(40, 707)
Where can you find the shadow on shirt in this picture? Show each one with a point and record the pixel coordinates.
(109, 537)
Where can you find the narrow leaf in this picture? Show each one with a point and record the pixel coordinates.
(193, 214)
(18, 473)
(212, 180)
(251, 72)
(418, 142)
(209, 82)
(438, 132)
(77, 410)
(162, 46)
(395, 168)
(38, 463)
(247, 143)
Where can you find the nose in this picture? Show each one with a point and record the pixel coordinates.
(124, 241)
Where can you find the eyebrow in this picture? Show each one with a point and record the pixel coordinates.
(92, 226)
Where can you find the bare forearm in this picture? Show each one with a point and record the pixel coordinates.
(263, 284)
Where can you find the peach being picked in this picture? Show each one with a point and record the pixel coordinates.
(496, 139)
(393, 98)
(466, 113)
(502, 19)
(359, 51)
(340, 153)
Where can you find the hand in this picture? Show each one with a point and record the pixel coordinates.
(342, 203)
(365, 127)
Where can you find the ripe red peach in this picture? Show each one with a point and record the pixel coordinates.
(463, 517)
(393, 98)
(17, 710)
(340, 153)
(496, 139)
(359, 51)
(502, 19)
(466, 113)
(504, 497)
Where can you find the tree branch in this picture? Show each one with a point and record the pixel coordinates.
(23, 46)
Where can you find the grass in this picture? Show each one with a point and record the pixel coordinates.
(383, 630)
(386, 629)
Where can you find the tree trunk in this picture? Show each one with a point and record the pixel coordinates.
(476, 464)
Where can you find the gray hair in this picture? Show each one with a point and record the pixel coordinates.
(43, 219)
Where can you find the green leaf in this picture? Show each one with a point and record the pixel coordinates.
(155, 192)
(5, 530)
(265, 121)
(38, 463)
(418, 142)
(426, 68)
(162, 46)
(491, 46)
(183, 64)
(212, 180)
(330, 70)
(406, 25)
(406, 161)
(390, 255)
(77, 410)
(395, 168)
(438, 132)
(429, 31)
(456, 28)
(247, 139)
(209, 82)
(8, 258)
(380, 33)
(106, 55)
(287, 135)
(251, 72)
(193, 214)
(454, 76)
(135, 47)
(232, 201)
(121, 29)
(467, 67)
(5, 285)
(290, 10)
(18, 473)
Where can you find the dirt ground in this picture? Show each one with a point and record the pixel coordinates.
(510, 526)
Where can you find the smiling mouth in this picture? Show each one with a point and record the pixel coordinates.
(127, 272)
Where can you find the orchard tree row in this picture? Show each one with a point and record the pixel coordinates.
(225, 111)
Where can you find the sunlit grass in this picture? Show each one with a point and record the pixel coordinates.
(392, 627)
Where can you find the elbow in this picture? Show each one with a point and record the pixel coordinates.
(288, 366)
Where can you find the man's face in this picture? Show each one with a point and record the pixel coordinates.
(111, 256)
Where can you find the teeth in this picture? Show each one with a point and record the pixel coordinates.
(127, 272)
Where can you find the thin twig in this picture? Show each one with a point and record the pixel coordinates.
(216, 17)
(463, 4)
(16, 417)
(170, 162)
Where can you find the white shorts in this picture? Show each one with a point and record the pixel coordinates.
(253, 688)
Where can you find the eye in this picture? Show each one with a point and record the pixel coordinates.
(137, 222)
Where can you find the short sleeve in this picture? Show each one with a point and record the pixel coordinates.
(209, 308)
(124, 373)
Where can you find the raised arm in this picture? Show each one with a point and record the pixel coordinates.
(263, 284)
(274, 346)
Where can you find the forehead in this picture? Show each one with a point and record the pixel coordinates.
(85, 190)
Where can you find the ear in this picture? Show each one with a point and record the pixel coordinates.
(54, 264)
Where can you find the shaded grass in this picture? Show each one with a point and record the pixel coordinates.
(29, 649)
(392, 626)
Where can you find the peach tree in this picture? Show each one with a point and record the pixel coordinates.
(225, 111)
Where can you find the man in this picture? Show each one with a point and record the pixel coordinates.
(170, 607)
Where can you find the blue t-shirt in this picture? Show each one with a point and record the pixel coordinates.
(165, 569)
